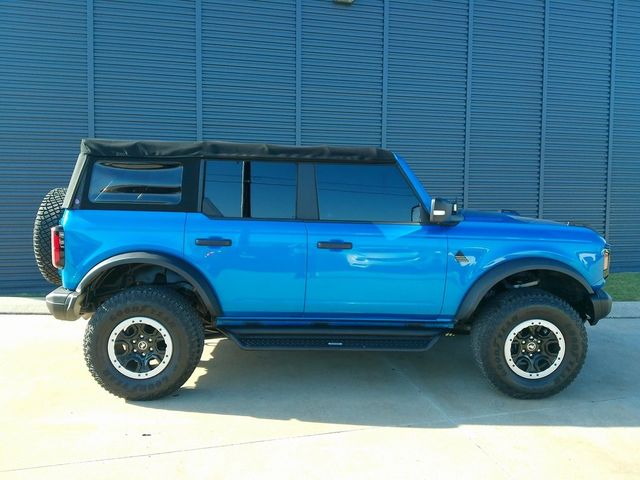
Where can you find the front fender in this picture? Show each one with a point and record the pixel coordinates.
(491, 277)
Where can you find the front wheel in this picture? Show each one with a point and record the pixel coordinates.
(529, 343)
(143, 343)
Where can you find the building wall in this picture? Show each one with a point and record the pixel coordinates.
(528, 105)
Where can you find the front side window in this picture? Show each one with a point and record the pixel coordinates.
(364, 193)
(136, 183)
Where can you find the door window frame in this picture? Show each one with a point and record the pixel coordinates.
(307, 203)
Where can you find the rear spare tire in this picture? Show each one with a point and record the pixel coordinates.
(49, 215)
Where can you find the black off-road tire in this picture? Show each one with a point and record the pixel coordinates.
(502, 315)
(163, 305)
(48, 216)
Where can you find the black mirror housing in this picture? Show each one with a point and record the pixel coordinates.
(444, 212)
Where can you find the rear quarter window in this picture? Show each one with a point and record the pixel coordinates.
(153, 183)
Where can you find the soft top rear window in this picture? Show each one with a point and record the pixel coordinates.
(158, 183)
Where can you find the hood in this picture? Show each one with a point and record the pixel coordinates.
(506, 217)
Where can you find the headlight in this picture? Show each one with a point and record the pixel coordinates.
(606, 253)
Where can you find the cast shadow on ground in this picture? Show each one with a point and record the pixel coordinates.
(441, 388)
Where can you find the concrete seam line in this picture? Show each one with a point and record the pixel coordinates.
(188, 450)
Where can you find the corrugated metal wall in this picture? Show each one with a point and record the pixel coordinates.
(506, 98)
(577, 111)
(43, 114)
(529, 105)
(144, 69)
(249, 71)
(623, 225)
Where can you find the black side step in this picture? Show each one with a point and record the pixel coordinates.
(252, 339)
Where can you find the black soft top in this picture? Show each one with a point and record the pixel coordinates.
(237, 151)
(155, 149)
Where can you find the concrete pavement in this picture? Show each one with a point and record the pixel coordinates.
(315, 414)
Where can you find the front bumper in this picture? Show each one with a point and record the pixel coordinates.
(63, 304)
(602, 303)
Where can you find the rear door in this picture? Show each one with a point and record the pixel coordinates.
(368, 253)
(246, 239)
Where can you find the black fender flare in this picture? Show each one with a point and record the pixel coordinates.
(482, 285)
(196, 278)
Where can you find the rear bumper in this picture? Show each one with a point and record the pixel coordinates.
(602, 303)
(63, 304)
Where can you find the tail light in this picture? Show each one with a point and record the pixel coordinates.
(607, 262)
(57, 246)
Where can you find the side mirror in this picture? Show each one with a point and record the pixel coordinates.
(444, 212)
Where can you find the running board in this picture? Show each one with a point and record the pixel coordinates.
(254, 339)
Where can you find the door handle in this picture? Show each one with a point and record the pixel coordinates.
(335, 245)
(213, 242)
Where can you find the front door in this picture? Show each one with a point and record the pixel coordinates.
(368, 254)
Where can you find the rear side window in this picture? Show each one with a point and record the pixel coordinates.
(273, 190)
(364, 193)
(256, 189)
(223, 189)
(136, 183)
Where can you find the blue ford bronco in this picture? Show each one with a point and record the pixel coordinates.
(281, 247)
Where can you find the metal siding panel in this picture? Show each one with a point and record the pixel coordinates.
(506, 100)
(249, 71)
(578, 83)
(427, 90)
(342, 72)
(145, 69)
(625, 169)
(43, 104)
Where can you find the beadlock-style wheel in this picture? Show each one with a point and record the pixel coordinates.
(534, 348)
(529, 343)
(143, 343)
(140, 347)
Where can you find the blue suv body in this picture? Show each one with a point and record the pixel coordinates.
(309, 247)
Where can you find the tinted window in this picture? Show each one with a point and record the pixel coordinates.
(150, 183)
(370, 193)
(223, 189)
(273, 190)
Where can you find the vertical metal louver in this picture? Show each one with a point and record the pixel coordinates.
(249, 71)
(145, 76)
(506, 98)
(624, 211)
(426, 90)
(577, 117)
(43, 115)
(341, 72)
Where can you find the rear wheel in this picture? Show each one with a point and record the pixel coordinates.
(529, 343)
(49, 215)
(143, 343)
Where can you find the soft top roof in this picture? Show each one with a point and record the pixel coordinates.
(228, 150)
